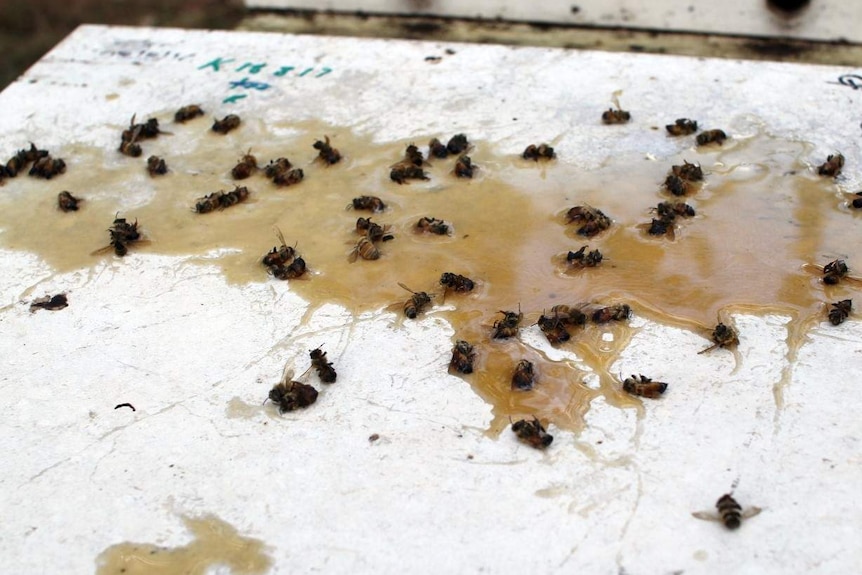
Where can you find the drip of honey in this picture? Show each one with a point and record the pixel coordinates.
(764, 223)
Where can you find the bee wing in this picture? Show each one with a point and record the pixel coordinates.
(706, 515)
(101, 251)
(286, 373)
(279, 235)
(405, 287)
(751, 512)
(354, 253)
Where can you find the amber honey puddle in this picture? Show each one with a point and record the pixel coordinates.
(764, 220)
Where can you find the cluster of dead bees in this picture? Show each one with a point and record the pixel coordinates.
(44, 165)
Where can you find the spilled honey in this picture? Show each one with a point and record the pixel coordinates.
(215, 543)
(764, 221)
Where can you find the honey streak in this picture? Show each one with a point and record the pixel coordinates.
(764, 221)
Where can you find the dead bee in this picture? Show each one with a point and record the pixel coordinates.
(592, 220)
(131, 148)
(834, 271)
(617, 312)
(523, 378)
(554, 329)
(281, 255)
(456, 282)
(457, 144)
(291, 395)
(187, 113)
(208, 203)
(32, 154)
(276, 167)
(661, 226)
(508, 326)
(832, 166)
(407, 171)
(585, 260)
(372, 203)
(644, 386)
(462, 357)
(414, 305)
(67, 202)
(674, 209)
(532, 433)
(226, 124)
(373, 231)
(47, 167)
(682, 127)
(722, 336)
(437, 149)
(50, 303)
(729, 512)
(156, 166)
(857, 202)
(293, 270)
(688, 171)
(464, 167)
(542, 151)
(618, 116)
(289, 178)
(432, 226)
(365, 249)
(123, 233)
(676, 185)
(711, 137)
(326, 152)
(569, 315)
(221, 200)
(244, 168)
(840, 310)
(324, 368)
(23, 157)
(412, 155)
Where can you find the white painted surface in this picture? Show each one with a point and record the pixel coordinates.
(78, 476)
(821, 20)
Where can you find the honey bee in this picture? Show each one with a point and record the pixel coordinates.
(585, 260)
(722, 336)
(433, 226)
(523, 378)
(688, 171)
(245, 167)
(326, 152)
(644, 386)
(832, 166)
(592, 220)
(67, 202)
(226, 124)
(617, 312)
(569, 315)
(407, 171)
(618, 116)
(437, 149)
(290, 395)
(221, 200)
(508, 326)
(414, 305)
(281, 255)
(156, 166)
(834, 271)
(554, 329)
(857, 202)
(462, 357)
(711, 137)
(840, 310)
(122, 233)
(457, 144)
(365, 249)
(532, 433)
(372, 203)
(20, 160)
(289, 178)
(373, 231)
(464, 167)
(50, 303)
(682, 127)
(47, 167)
(324, 368)
(130, 148)
(412, 155)
(456, 282)
(293, 270)
(535, 153)
(676, 185)
(729, 512)
(674, 209)
(276, 167)
(187, 113)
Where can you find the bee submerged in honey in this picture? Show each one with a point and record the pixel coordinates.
(279, 255)
(464, 167)
(20, 160)
(644, 386)
(462, 357)
(324, 368)
(245, 167)
(840, 311)
(221, 200)
(156, 166)
(554, 328)
(569, 315)
(187, 113)
(227, 124)
(674, 209)
(688, 171)
(365, 249)
(730, 512)
(722, 336)
(432, 225)
(682, 127)
(457, 144)
(371, 203)
(535, 153)
(456, 282)
(122, 234)
(291, 271)
(67, 202)
(437, 149)
(532, 433)
(412, 155)
(508, 326)
(832, 166)
(676, 185)
(288, 178)
(711, 137)
(373, 231)
(404, 171)
(617, 312)
(47, 167)
(291, 395)
(592, 220)
(583, 259)
(327, 153)
(416, 303)
(834, 271)
(524, 376)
